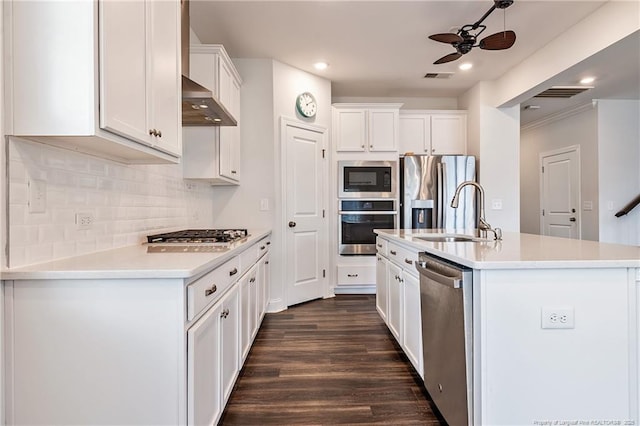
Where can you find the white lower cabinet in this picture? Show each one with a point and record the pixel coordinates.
(132, 351)
(398, 298)
(203, 365)
(382, 286)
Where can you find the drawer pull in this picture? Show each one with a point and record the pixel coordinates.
(268, 243)
(233, 272)
(266, 263)
(409, 261)
(224, 313)
(352, 275)
(208, 292)
(263, 247)
(393, 252)
(252, 280)
(379, 245)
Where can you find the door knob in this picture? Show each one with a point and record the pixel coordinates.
(292, 224)
(572, 219)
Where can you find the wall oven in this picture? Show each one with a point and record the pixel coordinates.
(367, 179)
(358, 219)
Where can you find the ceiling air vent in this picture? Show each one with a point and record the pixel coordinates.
(563, 92)
(440, 75)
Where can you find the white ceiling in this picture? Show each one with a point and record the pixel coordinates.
(381, 48)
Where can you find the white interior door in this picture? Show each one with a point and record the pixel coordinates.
(560, 193)
(306, 239)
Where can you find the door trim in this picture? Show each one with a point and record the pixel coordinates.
(282, 217)
(542, 156)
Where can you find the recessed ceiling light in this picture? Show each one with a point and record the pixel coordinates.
(587, 80)
(466, 66)
(320, 66)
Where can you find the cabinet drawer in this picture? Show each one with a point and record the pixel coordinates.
(248, 258)
(381, 246)
(209, 288)
(263, 246)
(404, 257)
(356, 275)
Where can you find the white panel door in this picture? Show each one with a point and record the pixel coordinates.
(350, 129)
(415, 133)
(383, 130)
(123, 69)
(561, 194)
(229, 342)
(306, 241)
(203, 367)
(448, 134)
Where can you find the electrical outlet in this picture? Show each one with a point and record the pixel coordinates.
(496, 204)
(37, 196)
(84, 220)
(557, 317)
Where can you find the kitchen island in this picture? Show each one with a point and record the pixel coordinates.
(148, 334)
(525, 365)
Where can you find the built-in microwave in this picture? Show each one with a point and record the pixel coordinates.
(367, 179)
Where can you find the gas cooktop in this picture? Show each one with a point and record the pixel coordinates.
(201, 236)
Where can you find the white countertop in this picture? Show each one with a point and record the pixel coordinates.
(132, 262)
(521, 251)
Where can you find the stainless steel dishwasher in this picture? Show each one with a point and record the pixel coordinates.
(445, 302)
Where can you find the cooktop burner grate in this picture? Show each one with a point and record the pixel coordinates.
(199, 236)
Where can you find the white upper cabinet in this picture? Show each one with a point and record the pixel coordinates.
(433, 132)
(366, 127)
(212, 153)
(98, 77)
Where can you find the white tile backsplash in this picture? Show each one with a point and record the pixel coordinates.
(128, 202)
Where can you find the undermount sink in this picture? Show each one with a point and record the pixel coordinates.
(448, 238)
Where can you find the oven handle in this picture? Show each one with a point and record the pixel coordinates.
(361, 212)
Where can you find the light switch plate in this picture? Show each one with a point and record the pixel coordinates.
(264, 204)
(496, 204)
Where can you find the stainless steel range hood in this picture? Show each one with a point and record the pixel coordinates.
(199, 106)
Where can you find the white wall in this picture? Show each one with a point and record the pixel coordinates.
(494, 138)
(268, 93)
(127, 201)
(618, 147)
(577, 127)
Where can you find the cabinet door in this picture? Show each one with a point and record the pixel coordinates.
(383, 130)
(164, 75)
(382, 286)
(123, 69)
(415, 133)
(394, 312)
(412, 320)
(253, 304)
(230, 136)
(263, 281)
(245, 322)
(203, 367)
(448, 134)
(229, 342)
(350, 129)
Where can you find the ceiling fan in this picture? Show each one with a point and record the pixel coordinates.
(464, 40)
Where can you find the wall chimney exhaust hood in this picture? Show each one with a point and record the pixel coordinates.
(199, 106)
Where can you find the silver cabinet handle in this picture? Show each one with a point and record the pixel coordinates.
(233, 272)
(393, 252)
(266, 263)
(159, 134)
(379, 245)
(268, 243)
(352, 275)
(153, 132)
(263, 247)
(292, 224)
(208, 292)
(224, 314)
(233, 172)
(252, 280)
(408, 261)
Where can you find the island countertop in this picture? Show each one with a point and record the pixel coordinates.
(519, 251)
(137, 262)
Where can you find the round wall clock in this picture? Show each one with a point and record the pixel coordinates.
(306, 104)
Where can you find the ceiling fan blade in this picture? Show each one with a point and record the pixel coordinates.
(448, 58)
(446, 38)
(498, 41)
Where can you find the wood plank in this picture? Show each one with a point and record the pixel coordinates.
(329, 361)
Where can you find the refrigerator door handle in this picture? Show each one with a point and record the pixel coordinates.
(440, 208)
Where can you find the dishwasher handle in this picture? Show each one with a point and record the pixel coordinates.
(453, 282)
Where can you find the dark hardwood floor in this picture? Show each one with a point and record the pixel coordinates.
(328, 362)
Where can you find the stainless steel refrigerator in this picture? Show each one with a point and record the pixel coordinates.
(427, 185)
